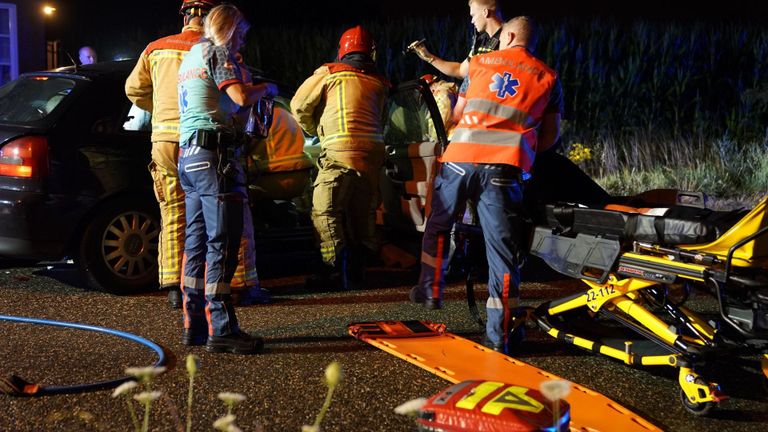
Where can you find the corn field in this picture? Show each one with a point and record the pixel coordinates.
(658, 104)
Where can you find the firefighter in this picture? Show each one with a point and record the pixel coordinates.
(152, 87)
(211, 89)
(514, 104)
(343, 104)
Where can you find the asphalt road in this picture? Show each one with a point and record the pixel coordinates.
(304, 331)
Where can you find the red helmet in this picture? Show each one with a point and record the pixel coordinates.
(203, 5)
(356, 39)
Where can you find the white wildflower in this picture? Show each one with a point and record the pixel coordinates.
(410, 407)
(224, 423)
(231, 398)
(124, 388)
(145, 373)
(555, 390)
(147, 397)
(233, 428)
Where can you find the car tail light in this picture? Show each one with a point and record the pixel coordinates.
(24, 157)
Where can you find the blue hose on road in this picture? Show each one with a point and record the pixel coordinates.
(17, 386)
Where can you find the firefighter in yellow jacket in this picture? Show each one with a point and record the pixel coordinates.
(343, 104)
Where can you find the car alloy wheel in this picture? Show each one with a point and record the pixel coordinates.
(118, 250)
(129, 245)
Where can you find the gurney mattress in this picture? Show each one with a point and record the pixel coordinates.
(678, 225)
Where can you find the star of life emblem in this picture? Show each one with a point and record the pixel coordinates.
(504, 85)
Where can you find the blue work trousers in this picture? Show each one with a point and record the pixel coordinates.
(498, 192)
(214, 184)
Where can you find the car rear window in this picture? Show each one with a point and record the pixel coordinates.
(31, 99)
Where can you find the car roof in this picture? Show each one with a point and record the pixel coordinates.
(96, 70)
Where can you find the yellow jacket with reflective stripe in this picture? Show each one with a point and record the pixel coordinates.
(152, 83)
(508, 93)
(283, 149)
(344, 107)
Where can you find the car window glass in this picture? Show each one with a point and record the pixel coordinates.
(408, 119)
(31, 99)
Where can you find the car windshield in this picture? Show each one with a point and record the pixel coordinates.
(31, 99)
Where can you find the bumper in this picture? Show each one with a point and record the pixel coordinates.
(35, 226)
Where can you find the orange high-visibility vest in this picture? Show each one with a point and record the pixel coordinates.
(508, 93)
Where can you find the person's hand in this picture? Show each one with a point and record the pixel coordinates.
(421, 50)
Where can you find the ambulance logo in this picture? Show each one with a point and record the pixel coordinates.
(504, 85)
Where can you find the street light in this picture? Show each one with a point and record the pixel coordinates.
(51, 46)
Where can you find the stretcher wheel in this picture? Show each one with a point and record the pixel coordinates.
(696, 408)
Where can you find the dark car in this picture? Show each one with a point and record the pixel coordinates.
(74, 180)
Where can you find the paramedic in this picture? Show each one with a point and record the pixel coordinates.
(517, 101)
(211, 90)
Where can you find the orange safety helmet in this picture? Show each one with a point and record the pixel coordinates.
(356, 39)
(203, 5)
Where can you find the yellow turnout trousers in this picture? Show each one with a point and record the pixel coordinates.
(170, 197)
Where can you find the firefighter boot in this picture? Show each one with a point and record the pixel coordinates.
(331, 277)
(174, 296)
(356, 266)
(324, 278)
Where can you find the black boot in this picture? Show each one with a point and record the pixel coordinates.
(238, 342)
(174, 296)
(197, 333)
(325, 278)
(331, 276)
(417, 296)
(356, 265)
(193, 337)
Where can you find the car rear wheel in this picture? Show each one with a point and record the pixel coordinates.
(118, 251)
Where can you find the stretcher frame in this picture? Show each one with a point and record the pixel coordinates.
(635, 284)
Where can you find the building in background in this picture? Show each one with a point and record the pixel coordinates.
(22, 38)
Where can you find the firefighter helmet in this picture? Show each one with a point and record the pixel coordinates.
(203, 6)
(356, 39)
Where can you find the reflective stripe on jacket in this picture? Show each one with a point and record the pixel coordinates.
(283, 149)
(152, 83)
(344, 107)
(508, 93)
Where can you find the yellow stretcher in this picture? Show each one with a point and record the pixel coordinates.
(456, 359)
(634, 264)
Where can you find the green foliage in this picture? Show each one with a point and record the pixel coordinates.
(660, 102)
(293, 53)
